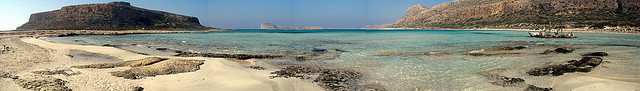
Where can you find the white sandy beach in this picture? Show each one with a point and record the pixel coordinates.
(214, 74)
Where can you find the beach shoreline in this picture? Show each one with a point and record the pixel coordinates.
(214, 74)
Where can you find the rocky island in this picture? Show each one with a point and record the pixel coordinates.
(110, 16)
(271, 26)
(524, 14)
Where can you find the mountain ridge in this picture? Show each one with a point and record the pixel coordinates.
(524, 14)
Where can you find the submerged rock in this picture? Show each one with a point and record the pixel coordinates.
(596, 54)
(584, 65)
(558, 50)
(235, 56)
(507, 48)
(331, 79)
(315, 50)
(488, 54)
(43, 84)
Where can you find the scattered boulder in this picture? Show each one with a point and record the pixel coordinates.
(7, 75)
(133, 63)
(169, 66)
(257, 67)
(137, 88)
(508, 81)
(535, 88)
(43, 84)
(596, 54)
(559, 50)
(54, 72)
(4, 49)
(235, 56)
(583, 65)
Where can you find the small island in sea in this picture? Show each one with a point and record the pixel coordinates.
(457, 45)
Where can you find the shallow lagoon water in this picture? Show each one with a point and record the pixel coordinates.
(453, 71)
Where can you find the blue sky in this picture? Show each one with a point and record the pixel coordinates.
(242, 14)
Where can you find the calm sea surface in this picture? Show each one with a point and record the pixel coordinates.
(358, 49)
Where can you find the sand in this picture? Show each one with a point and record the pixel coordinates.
(215, 74)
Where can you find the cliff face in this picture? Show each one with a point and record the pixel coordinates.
(109, 16)
(522, 14)
(271, 26)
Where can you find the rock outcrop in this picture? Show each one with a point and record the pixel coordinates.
(526, 14)
(271, 26)
(110, 16)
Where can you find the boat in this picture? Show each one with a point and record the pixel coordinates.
(556, 34)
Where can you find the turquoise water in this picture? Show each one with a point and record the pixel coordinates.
(357, 49)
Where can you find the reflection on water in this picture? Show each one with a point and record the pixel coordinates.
(356, 49)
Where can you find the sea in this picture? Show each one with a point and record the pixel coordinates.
(400, 60)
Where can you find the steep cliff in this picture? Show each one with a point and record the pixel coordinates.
(522, 14)
(271, 26)
(109, 16)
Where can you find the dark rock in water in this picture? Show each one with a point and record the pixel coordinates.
(507, 81)
(109, 45)
(138, 89)
(43, 84)
(162, 49)
(338, 50)
(486, 54)
(235, 56)
(596, 54)
(535, 88)
(584, 65)
(257, 67)
(54, 72)
(507, 48)
(319, 50)
(558, 50)
(331, 79)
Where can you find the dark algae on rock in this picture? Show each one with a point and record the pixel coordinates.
(330, 79)
(583, 65)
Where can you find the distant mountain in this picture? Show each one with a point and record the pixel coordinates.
(109, 16)
(271, 26)
(526, 14)
(376, 26)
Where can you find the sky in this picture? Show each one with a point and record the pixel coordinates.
(242, 14)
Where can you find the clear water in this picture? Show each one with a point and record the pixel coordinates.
(454, 71)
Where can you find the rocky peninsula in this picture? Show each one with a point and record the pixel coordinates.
(110, 16)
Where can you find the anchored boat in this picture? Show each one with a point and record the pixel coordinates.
(557, 34)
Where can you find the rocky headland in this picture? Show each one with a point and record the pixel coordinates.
(271, 26)
(110, 16)
(609, 15)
